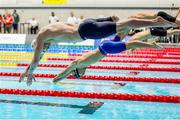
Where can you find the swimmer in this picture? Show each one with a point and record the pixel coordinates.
(162, 14)
(106, 47)
(88, 29)
(78, 66)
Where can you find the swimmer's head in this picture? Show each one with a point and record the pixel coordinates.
(33, 44)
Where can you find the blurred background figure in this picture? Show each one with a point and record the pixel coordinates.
(3, 17)
(1, 21)
(80, 19)
(16, 21)
(8, 21)
(72, 19)
(53, 18)
(34, 25)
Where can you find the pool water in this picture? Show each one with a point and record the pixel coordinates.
(46, 107)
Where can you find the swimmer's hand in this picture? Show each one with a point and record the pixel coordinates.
(57, 79)
(30, 77)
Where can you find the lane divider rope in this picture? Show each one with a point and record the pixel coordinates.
(109, 67)
(111, 78)
(111, 96)
(153, 61)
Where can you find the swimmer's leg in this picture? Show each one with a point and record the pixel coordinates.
(162, 14)
(149, 34)
(139, 44)
(144, 35)
(136, 23)
(148, 15)
(166, 16)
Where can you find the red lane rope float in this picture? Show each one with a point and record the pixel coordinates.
(111, 78)
(109, 67)
(149, 52)
(137, 56)
(112, 96)
(153, 61)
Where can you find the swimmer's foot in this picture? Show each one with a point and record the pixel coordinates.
(162, 22)
(57, 79)
(115, 18)
(30, 78)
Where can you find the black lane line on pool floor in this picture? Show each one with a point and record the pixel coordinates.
(90, 108)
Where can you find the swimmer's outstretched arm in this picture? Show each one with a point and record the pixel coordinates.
(32, 66)
(82, 62)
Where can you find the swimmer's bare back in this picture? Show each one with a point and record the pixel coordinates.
(61, 32)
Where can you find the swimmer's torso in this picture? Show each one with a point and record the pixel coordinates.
(63, 33)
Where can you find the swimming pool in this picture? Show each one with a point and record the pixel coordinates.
(146, 72)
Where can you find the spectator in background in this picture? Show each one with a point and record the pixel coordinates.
(8, 21)
(16, 21)
(1, 21)
(80, 19)
(34, 25)
(3, 17)
(72, 19)
(53, 18)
